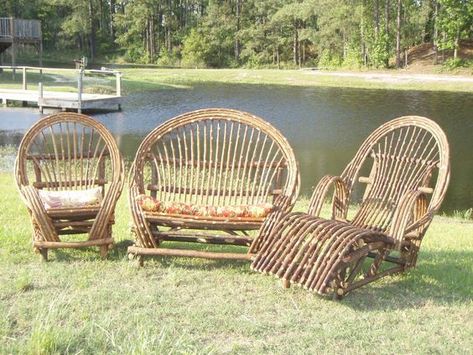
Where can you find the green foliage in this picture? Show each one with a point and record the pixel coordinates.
(379, 54)
(328, 60)
(195, 50)
(130, 26)
(452, 63)
(465, 215)
(168, 59)
(212, 43)
(455, 21)
(352, 58)
(249, 33)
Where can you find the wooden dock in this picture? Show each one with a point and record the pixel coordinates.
(77, 101)
(61, 100)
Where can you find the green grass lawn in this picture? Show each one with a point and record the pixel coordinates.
(78, 303)
(148, 79)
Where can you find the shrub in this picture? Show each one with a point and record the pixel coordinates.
(352, 59)
(327, 60)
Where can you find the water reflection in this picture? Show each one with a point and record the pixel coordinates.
(324, 125)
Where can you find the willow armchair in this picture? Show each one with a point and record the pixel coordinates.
(408, 164)
(209, 176)
(70, 175)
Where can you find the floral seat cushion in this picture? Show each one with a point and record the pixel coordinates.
(71, 198)
(150, 204)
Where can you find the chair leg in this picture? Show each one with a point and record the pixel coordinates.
(44, 254)
(140, 260)
(286, 283)
(104, 251)
(137, 259)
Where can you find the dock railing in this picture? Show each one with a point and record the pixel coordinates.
(81, 73)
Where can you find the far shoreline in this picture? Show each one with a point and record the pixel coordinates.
(140, 79)
(151, 78)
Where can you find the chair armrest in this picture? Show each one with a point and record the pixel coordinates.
(99, 228)
(142, 228)
(39, 214)
(411, 214)
(339, 201)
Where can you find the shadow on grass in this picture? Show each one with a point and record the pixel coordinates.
(440, 278)
(201, 263)
(119, 253)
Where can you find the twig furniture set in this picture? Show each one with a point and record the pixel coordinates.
(212, 175)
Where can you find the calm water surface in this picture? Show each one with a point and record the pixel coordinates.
(324, 125)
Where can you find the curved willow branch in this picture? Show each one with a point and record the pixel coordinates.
(409, 215)
(214, 157)
(406, 156)
(339, 200)
(68, 151)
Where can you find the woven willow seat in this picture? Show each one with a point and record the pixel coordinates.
(216, 158)
(69, 152)
(408, 164)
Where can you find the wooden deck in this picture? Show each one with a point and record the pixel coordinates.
(14, 32)
(61, 100)
(77, 101)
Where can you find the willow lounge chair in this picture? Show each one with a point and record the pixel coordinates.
(70, 175)
(209, 176)
(408, 161)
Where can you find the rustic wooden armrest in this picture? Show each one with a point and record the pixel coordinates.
(106, 212)
(142, 229)
(411, 213)
(42, 221)
(339, 201)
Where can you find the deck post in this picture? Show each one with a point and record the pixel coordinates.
(25, 86)
(40, 99)
(41, 50)
(79, 89)
(118, 77)
(13, 46)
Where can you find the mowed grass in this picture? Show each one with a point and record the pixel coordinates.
(78, 303)
(139, 79)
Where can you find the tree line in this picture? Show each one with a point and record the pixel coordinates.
(252, 33)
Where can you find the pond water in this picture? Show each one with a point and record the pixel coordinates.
(325, 126)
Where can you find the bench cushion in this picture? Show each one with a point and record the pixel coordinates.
(149, 204)
(71, 198)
